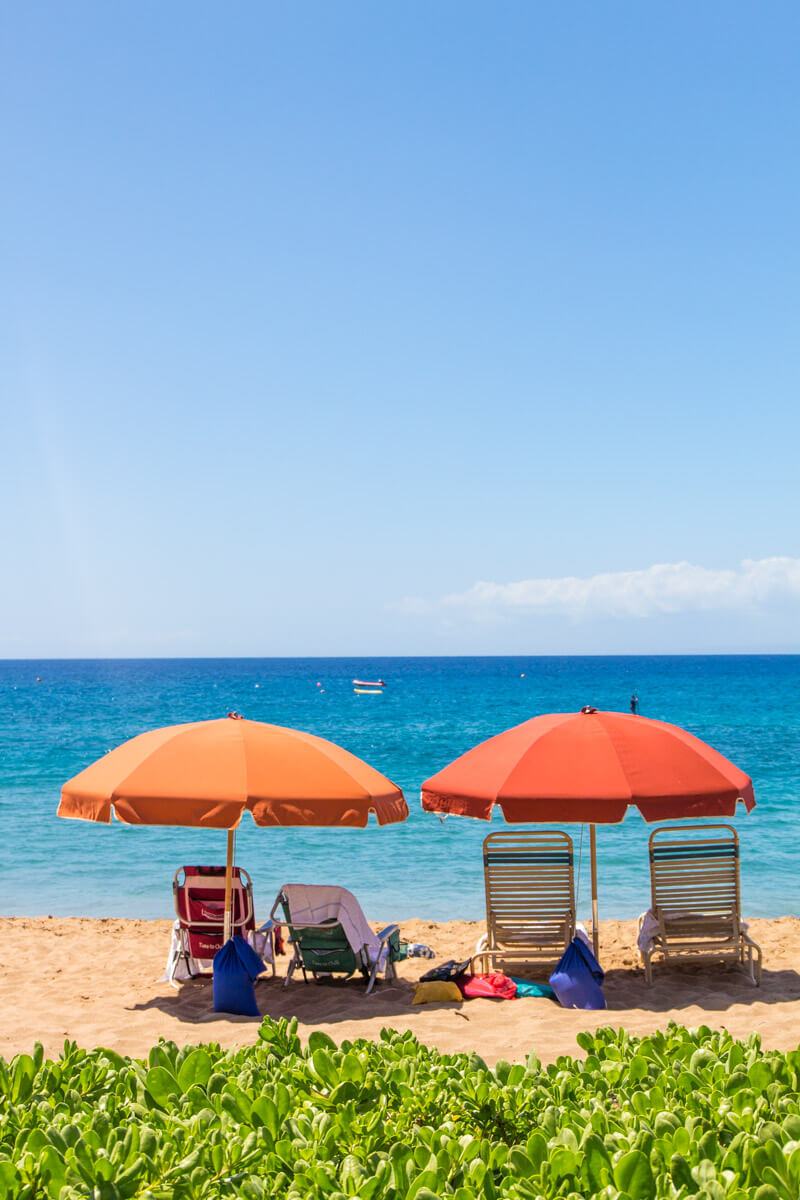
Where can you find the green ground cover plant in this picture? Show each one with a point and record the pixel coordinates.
(677, 1114)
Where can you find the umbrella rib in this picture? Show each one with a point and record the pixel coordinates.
(117, 792)
(623, 771)
(512, 769)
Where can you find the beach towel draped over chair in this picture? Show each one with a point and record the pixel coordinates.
(696, 909)
(530, 898)
(331, 936)
(199, 894)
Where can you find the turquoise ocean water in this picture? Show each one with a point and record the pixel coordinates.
(432, 710)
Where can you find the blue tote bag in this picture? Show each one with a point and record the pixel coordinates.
(577, 978)
(236, 966)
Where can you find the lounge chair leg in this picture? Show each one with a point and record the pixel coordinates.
(751, 963)
(372, 977)
(182, 954)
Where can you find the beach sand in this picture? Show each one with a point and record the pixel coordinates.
(96, 982)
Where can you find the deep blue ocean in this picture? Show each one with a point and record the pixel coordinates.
(432, 710)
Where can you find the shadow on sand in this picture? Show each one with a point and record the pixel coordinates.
(675, 988)
(712, 989)
(312, 1003)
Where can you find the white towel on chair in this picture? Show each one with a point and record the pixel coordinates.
(261, 941)
(650, 926)
(313, 903)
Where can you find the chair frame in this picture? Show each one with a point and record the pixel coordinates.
(529, 877)
(241, 882)
(361, 961)
(696, 898)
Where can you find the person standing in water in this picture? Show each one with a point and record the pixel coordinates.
(634, 703)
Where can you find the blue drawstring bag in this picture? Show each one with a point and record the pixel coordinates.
(236, 966)
(577, 978)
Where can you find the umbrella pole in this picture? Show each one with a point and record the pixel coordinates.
(595, 921)
(228, 888)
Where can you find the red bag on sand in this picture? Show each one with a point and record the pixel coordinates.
(493, 986)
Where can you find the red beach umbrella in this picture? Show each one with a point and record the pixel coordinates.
(589, 767)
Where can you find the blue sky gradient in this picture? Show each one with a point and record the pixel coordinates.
(313, 316)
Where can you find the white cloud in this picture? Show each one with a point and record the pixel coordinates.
(662, 588)
(413, 606)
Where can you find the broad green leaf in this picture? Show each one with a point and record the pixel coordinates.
(324, 1067)
(352, 1069)
(536, 1149)
(783, 1189)
(595, 1163)
(633, 1174)
(8, 1178)
(423, 1187)
(162, 1085)
(23, 1072)
(318, 1040)
(264, 1112)
(195, 1070)
(638, 1067)
(759, 1075)
(519, 1164)
(563, 1161)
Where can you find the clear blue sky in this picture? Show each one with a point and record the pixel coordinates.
(313, 316)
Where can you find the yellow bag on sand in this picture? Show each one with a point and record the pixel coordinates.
(437, 990)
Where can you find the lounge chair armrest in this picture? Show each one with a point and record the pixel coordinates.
(482, 943)
(480, 957)
(386, 933)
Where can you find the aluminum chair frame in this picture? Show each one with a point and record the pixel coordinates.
(529, 879)
(696, 898)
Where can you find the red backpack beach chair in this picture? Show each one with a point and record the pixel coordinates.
(200, 905)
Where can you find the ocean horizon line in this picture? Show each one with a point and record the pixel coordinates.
(156, 658)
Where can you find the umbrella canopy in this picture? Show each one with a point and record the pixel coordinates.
(209, 773)
(589, 767)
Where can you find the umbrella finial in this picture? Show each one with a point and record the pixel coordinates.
(235, 716)
(587, 709)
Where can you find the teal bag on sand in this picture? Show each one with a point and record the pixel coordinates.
(526, 988)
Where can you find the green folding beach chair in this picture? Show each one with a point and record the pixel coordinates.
(322, 948)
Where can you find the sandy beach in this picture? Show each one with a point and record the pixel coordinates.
(96, 982)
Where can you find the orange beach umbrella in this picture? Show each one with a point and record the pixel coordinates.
(209, 773)
(589, 767)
